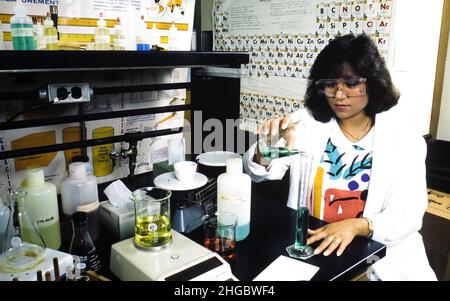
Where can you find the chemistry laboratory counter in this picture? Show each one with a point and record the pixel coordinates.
(273, 229)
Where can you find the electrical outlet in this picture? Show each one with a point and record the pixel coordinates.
(69, 93)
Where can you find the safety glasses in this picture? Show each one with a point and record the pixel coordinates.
(350, 86)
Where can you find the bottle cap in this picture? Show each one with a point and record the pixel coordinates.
(77, 170)
(79, 218)
(48, 21)
(234, 165)
(34, 177)
(101, 22)
(20, 10)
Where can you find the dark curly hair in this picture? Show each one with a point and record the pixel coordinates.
(361, 53)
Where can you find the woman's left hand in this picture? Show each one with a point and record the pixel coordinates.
(337, 235)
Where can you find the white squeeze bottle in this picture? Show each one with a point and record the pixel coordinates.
(42, 204)
(79, 193)
(173, 38)
(234, 195)
(102, 38)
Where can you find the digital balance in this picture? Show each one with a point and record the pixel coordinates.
(182, 260)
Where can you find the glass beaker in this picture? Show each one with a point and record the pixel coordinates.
(300, 249)
(23, 246)
(152, 218)
(220, 233)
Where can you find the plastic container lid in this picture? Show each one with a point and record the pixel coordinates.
(34, 177)
(20, 10)
(234, 165)
(77, 170)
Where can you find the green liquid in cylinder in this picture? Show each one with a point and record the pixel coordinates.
(152, 231)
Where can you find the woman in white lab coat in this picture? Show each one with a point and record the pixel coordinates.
(368, 168)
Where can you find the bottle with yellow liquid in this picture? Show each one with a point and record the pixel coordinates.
(50, 34)
(102, 37)
(42, 204)
(119, 36)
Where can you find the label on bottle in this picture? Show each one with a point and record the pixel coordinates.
(89, 207)
(119, 44)
(51, 39)
(22, 32)
(102, 39)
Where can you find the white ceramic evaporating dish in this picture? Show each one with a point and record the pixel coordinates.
(169, 181)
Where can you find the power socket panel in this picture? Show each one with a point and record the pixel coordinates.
(69, 93)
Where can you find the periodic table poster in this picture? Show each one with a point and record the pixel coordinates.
(284, 38)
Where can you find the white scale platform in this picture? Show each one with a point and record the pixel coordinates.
(184, 259)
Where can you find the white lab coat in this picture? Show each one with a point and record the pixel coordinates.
(397, 196)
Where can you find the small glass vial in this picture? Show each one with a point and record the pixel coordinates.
(82, 246)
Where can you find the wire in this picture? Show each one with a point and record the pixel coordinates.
(28, 110)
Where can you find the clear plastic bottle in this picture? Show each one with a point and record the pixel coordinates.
(39, 34)
(119, 36)
(234, 195)
(173, 37)
(50, 34)
(82, 245)
(2, 45)
(22, 30)
(142, 37)
(42, 204)
(102, 38)
(154, 36)
(79, 192)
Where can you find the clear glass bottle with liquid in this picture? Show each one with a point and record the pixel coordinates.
(82, 246)
(50, 34)
(269, 148)
(269, 144)
(102, 38)
(22, 246)
(22, 30)
(119, 36)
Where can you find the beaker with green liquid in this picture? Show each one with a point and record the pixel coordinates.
(152, 230)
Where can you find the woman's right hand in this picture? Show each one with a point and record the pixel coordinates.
(279, 126)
